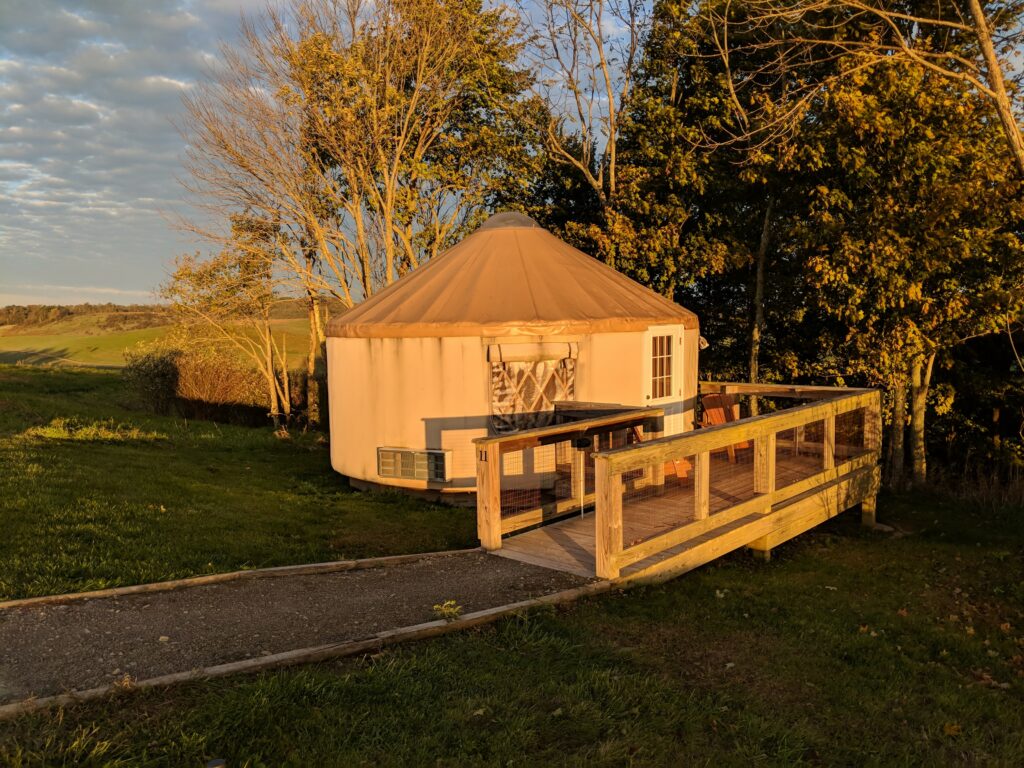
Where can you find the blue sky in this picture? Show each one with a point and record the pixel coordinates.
(89, 155)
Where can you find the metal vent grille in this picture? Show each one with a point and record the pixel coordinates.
(409, 464)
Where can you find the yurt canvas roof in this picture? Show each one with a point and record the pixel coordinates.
(510, 277)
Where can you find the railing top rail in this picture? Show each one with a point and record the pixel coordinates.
(807, 391)
(574, 427)
(724, 435)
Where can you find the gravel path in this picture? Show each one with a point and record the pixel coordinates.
(52, 649)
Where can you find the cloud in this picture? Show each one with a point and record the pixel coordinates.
(73, 294)
(89, 155)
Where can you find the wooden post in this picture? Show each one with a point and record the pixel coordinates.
(872, 442)
(828, 444)
(798, 439)
(764, 464)
(488, 495)
(868, 508)
(578, 475)
(701, 485)
(873, 425)
(607, 518)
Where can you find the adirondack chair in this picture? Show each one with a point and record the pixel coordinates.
(722, 409)
(718, 409)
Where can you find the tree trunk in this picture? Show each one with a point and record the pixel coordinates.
(997, 85)
(286, 392)
(920, 379)
(271, 376)
(757, 323)
(896, 430)
(312, 414)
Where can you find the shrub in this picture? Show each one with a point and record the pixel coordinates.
(204, 383)
(211, 376)
(153, 376)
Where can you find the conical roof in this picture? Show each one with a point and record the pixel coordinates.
(510, 277)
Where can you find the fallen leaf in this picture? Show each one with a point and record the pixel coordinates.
(952, 729)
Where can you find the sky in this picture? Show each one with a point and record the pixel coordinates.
(89, 154)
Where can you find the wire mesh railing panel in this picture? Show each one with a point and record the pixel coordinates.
(545, 481)
(606, 441)
(528, 479)
(656, 499)
(731, 472)
(850, 435)
(799, 453)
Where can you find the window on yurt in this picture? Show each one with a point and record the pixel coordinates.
(661, 366)
(523, 393)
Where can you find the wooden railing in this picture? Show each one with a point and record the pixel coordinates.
(762, 436)
(552, 486)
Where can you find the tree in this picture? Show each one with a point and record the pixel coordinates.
(914, 230)
(968, 42)
(585, 53)
(227, 299)
(708, 219)
(370, 134)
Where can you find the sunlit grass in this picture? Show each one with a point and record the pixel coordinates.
(850, 648)
(107, 430)
(95, 495)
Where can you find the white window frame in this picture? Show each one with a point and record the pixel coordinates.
(674, 333)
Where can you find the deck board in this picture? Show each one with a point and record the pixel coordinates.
(568, 544)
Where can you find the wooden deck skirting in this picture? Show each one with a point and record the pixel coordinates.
(643, 525)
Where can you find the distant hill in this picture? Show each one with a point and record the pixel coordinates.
(99, 318)
(105, 318)
(98, 334)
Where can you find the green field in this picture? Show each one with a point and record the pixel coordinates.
(849, 648)
(82, 341)
(94, 494)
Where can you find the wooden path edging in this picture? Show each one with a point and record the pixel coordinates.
(316, 653)
(219, 578)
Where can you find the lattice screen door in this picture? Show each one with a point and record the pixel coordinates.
(523, 393)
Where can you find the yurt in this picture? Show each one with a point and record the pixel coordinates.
(483, 339)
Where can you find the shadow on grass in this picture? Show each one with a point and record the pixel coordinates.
(47, 356)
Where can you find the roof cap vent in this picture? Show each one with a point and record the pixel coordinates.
(510, 219)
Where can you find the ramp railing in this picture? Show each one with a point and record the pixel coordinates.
(532, 476)
(701, 482)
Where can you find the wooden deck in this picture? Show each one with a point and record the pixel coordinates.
(662, 505)
(569, 545)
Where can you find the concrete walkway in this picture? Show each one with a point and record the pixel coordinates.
(84, 644)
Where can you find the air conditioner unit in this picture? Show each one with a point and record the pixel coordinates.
(431, 465)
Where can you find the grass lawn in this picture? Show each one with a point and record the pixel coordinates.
(74, 347)
(94, 495)
(849, 648)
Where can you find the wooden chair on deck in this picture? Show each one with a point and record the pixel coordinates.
(718, 409)
(723, 409)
